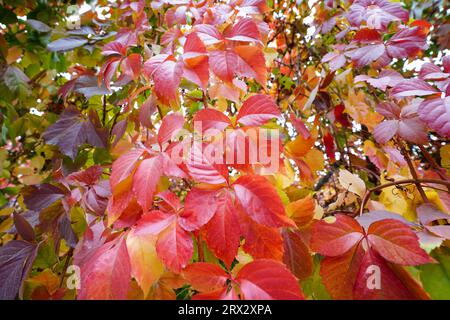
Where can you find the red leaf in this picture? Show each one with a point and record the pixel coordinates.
(299, 126)
(87, 177)
(367, 35)
(124, 166)
(297, 256)
(251, 63)
(405, 123)
(145, 180)
(384, 131)
(204, 167)
(224, 64)
(397, 243)
(166, 74)
(340, 116)
(376, 14)
(194, 46)
(208, 34)
(386, 78)
(170, 126)
(390, 286)
(257, 110)
(205, 277)
(106, 274)
(154, 222)
(330, 148)
(132, 66)
(200, 206)
(261, 241)
(146, 111)
(107, 71)
(244, 30)
(266, 279)
(339, 273)
(196, 66)
(175, 247)
(211, 119)
(222, 233)
(260, 201)
(336, 238)
(114, 47)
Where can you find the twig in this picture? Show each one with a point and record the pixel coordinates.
(413, 171)
(66, 265)
(433, 163)
(395, 183)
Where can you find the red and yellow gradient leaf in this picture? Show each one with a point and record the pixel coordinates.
(335, 238)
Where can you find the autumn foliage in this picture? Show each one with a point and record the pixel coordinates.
(241, 149)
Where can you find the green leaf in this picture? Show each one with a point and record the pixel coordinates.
(313, 287)
(436, 277)
(16, 81)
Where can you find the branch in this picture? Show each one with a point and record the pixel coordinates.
(396, 183)
(413, 171)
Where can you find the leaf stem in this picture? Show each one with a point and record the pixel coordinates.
(201, 257)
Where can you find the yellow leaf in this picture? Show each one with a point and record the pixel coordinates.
(315, 160)
(47, 279)
(146, 267)
(6, 224)
(6, 211)
(352, 182)
(360, 111)
(301, 211)
(299, 147)
(395, 201)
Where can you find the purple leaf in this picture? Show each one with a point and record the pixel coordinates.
(387, 78)
(376, 13)
(66, 231)
(413, 87)
(71, 131)
(366, 55)
(427, 213)
(406, 43)
(384, 131)
(16, 259)
(31, 216)
(370, 217)
(65, 44)
(436, 114)
(23, 227)
(403, 122)
(88, 86)
(38, 197)
(389, 109)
